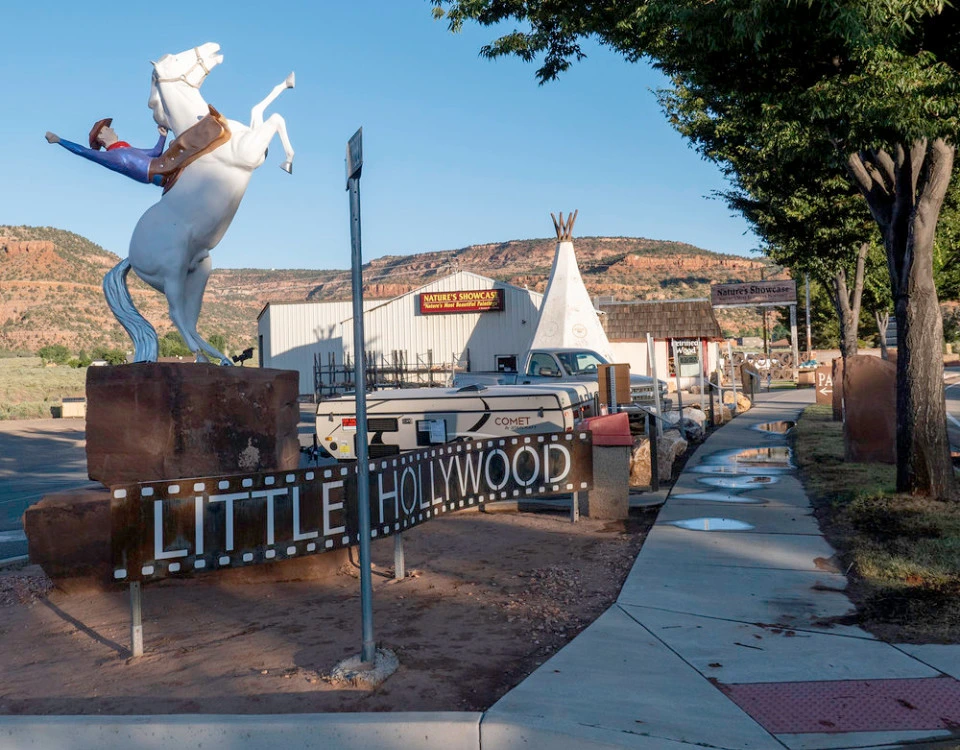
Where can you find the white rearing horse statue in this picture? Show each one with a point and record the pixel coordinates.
(170, 246)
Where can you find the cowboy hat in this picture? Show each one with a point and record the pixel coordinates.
(95, 131)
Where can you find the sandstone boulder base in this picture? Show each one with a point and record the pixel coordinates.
(152, 421)
(640, 463)
(669, 448)
(740, 405)
(68, 535)
(870, 409)
(837, 400)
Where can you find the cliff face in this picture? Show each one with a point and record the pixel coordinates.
(50, 283)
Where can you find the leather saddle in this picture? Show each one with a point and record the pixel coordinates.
(209, 133)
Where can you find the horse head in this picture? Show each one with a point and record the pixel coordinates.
(190, 67)
(175, 98)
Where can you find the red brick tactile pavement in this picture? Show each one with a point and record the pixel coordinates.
(850, 705)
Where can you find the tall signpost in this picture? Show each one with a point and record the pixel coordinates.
(368, 650)
(762, 294)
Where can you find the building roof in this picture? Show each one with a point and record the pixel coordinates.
(663, 319)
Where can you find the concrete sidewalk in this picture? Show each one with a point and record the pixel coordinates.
(736, 638)
(733, 638)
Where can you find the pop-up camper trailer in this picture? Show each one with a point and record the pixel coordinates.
(405, 419)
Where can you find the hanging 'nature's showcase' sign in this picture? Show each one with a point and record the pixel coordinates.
(176, 527)
(463, 301)
(758, 293)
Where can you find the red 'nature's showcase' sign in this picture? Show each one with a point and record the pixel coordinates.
(474, 300)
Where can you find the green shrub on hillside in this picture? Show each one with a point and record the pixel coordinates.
(56, 353)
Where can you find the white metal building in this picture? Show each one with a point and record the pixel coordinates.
(290, 334)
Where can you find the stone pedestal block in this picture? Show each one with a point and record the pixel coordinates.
(870, 409)
(837, 397)
(68, 535)
(609, 499)
(153, 421)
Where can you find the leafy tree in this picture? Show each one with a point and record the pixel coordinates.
(219, 342)
(110, 356)
(809, 215)
(56, 353)
(173, 345)
(879, 81)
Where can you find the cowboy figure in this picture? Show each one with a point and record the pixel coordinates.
(119, 155)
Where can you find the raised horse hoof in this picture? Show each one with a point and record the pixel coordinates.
(291, 81)
(287, 167)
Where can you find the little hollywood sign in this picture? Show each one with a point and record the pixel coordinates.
(174, 528)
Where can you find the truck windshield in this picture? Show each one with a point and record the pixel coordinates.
(576, 363)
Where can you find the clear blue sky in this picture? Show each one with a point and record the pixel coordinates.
(458, 150)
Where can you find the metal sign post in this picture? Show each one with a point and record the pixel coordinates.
(136, 621)
(651, 354)
(368, 651)
(733, 377)
(701, 357)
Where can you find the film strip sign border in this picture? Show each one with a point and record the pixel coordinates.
(189, 526)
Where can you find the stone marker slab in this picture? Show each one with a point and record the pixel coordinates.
(153, 421)
(837, 378)
(823, 382)
(870, 409)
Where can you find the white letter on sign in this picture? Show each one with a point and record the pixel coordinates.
(560, 475)
(228, 501)
(299, 536)
(328, 506)
(158, 553)
(269, 494)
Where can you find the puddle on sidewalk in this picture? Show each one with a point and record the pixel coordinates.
(742, 482)
(780, 428)
(711, 524)
(749, 461)
(719, 497)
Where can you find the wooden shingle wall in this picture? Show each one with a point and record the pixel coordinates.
(677, 319)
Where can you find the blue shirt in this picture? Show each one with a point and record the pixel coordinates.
(127, 160)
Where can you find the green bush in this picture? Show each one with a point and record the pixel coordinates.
(173, 345)
(56, 353)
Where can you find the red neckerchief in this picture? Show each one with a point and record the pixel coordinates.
(118, 144)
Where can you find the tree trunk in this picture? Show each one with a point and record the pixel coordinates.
(883, 323)
(847, 305)
(905, 192)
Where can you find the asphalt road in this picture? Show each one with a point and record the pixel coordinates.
(37, 456)
(40, 456)
(952, 393)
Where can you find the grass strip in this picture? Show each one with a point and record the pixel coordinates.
(901, 553)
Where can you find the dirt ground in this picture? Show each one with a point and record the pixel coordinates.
(488, 597)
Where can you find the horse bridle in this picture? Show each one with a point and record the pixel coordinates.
(183, 76)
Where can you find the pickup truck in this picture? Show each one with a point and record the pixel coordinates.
(562, 365)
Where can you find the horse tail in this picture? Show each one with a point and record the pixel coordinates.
(145, 343)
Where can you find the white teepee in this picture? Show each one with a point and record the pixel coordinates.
(567, 315)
